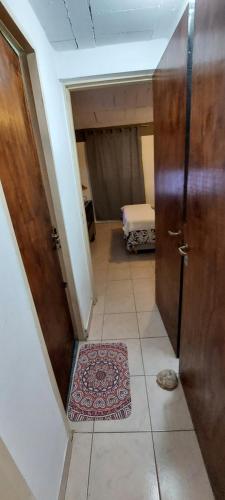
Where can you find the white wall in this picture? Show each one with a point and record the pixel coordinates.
(31, 424)
(81, 152)
(147, 145)
(62, 149)
(121, 58)
(12, 484)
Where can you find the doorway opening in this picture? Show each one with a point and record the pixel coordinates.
(113, 131)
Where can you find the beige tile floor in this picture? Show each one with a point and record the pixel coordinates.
(153, 454)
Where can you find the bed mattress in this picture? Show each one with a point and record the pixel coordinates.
(139, 227)
(138, 218)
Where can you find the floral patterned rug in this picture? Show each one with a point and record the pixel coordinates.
(101, 383)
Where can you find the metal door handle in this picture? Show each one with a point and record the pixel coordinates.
(183, 250)
(174, 233)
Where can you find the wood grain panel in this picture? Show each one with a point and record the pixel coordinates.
(169, 93)
(203, 323)
(22, 184)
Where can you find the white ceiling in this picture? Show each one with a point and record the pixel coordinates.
(112, 105)
(78, 24)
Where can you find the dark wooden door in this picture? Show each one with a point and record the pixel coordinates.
(169, 91)
(22, 184)
(202, 357)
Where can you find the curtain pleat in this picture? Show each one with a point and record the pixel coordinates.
(115, 169)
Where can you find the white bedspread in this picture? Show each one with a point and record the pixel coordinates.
(138, 217)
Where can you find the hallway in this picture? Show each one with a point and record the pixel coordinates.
(153, 453)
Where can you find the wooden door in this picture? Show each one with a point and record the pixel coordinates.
(169, 91)
(22, 184)
(202, 356)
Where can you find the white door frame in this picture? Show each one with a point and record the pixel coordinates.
(82, 84)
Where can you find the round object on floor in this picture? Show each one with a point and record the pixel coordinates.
(167, 379)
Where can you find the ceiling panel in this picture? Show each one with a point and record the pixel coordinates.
(81, 22)
(99, 6)
(65, 45)
(53, 17)
(134, 36)
(93, 23)
(125, 21)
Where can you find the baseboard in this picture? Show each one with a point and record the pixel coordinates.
(89, 319)
(66, 467)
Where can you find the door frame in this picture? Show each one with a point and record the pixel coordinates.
(27, 58)
(83, 84)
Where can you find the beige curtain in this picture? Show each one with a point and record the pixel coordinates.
(115, 168)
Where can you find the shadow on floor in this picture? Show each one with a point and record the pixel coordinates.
(118, 252)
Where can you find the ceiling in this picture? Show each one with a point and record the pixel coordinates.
(112, 105)
(78, 24)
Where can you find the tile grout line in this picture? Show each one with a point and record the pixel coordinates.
(90, 459)
(134, 338)
(133, 432)
(153, 445)
(106, 286)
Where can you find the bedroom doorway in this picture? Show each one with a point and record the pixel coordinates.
(113, 130)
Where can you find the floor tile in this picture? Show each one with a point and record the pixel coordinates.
(77, 484)
(100, 262)
(168, 409)
(158, 355)
(181, 470)
(119, 297)
(100, 285)
(95, 332)
(134, 356)
(143, 260)
(150, 324)
(116, 224)
(142, 257)
(119, 271)
(139, 419)
(144, 294)
(143, 285)
(145, 270)
(99, 306)
(120, 326)
(81, 426)
(144, 302)
(123, 468)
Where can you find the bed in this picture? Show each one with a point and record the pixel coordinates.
(139, 227)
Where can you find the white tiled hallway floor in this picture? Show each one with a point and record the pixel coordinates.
(154, 453)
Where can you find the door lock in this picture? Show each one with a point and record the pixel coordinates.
(56, 239)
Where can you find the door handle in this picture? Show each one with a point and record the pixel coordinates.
(183, 250)
(174, 233)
